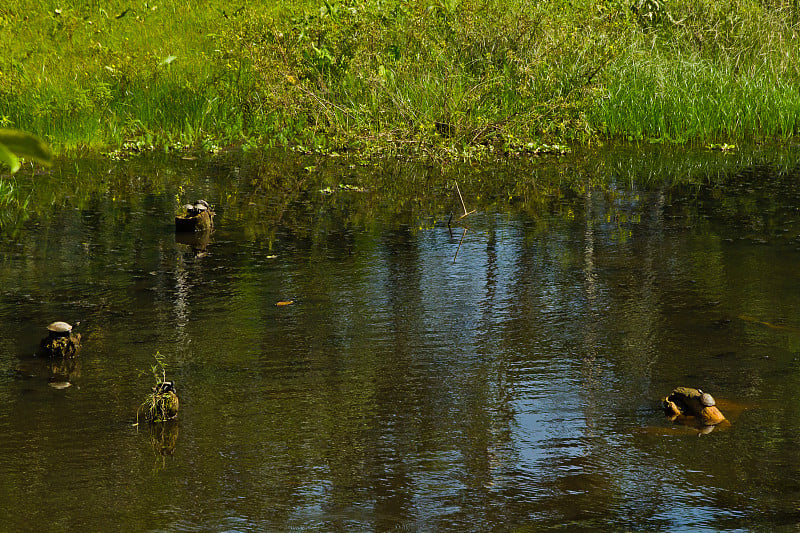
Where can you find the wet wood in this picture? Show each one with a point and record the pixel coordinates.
(201, 222)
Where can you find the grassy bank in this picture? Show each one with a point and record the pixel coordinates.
(439, 77)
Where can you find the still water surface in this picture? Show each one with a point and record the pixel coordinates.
(515, 388)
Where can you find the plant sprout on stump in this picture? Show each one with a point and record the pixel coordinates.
(161, 404)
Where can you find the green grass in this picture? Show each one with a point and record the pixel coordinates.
(442, 76)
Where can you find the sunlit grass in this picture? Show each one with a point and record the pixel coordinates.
(696, 100)
(432, 75)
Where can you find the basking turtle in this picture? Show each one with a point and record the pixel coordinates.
(685, 402)
(59, 329)
(198, 217)
(60, 341)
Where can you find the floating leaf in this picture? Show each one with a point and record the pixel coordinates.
(285, 302)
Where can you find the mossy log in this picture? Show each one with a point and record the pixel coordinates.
(61, 345)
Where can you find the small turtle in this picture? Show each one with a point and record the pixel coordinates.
(164, 387)
(203, 203)
(199, 208)
(59, 329)
(706, 399)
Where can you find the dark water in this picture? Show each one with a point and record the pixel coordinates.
(515, 388)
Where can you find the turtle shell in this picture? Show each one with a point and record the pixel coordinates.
(59, 327)
(164, 387)
(707, 400)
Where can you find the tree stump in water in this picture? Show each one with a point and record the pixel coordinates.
(690, 402)
(162, 404)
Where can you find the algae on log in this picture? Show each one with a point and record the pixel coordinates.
(63, 346)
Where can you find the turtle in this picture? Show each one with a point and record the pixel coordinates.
(691, 402)
(164, 387)
(61, 341)
(706, 399)
(59, 329)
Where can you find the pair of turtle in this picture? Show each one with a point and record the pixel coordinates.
(199, 207)
(684, 402)
(199, 217)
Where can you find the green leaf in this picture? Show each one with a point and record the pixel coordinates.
(8, 157)
(22, 144)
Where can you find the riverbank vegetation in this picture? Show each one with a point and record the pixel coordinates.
(442, 77)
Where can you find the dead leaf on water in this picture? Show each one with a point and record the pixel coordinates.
(285, 302)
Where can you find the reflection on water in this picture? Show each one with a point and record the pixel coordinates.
(516, 387)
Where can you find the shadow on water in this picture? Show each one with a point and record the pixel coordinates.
(515, 387)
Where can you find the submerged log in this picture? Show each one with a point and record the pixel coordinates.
(691, 402)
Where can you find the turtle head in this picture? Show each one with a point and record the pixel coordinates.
(164, 387)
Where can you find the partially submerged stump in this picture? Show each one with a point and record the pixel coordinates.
(162, 404)
(197, 217)
(684, 402)
(60, 341)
